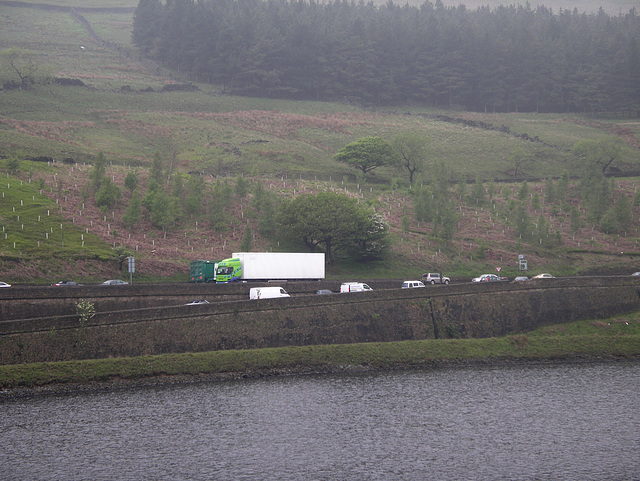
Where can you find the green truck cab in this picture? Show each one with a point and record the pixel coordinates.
(229, 270)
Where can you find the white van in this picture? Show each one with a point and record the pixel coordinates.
(412, 284)
(267, 292)
(354, 287)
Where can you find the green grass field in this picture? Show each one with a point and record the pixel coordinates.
(273, 137)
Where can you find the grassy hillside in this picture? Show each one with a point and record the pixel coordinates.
(126, 110)
(37, 240)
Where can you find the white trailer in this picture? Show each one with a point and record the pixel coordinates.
(266, 266)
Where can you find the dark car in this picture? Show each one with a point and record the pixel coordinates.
(324, 291)
(65, 284)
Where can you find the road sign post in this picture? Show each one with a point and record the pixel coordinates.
(522, 262)
(132, 268)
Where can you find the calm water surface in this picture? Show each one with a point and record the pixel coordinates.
(543, 422)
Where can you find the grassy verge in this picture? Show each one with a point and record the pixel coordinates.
(613, 338)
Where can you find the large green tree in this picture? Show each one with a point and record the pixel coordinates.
(367, 154)
(332, 222)
(371, 241)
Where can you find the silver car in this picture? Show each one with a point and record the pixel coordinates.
(543, 276)
(489, 278)
(434, 278)
(114, 282)
(197, 302)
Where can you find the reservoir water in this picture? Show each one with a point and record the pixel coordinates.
(536, 422)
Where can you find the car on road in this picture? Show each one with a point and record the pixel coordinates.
(636, 274)
(65, 284)
(4, 284)
(521, 279)
(197, 302)
(489, 278)
(354, 287)
(412, 284)
(114, 282)
(434, 278)
(543, 276)
(267, 292)
(323, 291)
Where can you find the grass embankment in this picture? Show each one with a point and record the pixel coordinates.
(613, 338)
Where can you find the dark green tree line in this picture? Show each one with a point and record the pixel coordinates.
(511, 58)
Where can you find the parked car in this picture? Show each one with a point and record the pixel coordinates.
(114, 282)
(543, 276)
(65, 284)
(489, 278)
(4, 284)
(354, 287)
(521, 279)
(412, 284)
(197, 302)
(434, 278)
(324, 291)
